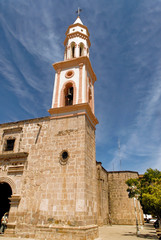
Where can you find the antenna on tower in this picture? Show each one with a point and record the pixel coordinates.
(119, 153)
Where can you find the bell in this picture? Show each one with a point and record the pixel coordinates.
(70, 96)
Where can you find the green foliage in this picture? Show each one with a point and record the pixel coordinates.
(148, 190)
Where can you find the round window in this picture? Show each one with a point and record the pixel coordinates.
(69, 74)
(64, 155)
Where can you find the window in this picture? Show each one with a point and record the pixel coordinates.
(81, 49)
(73, 49)
(64, 156)
(9, 144)
(69, 74)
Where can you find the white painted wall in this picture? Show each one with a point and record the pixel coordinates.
(78, 29)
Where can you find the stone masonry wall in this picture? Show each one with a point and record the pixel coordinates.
(90, 175)
(102, 195)
(51, 192)
(121, 207)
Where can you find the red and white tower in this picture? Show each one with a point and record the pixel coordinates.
(74, 79)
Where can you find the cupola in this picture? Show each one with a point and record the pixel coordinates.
(77, 41)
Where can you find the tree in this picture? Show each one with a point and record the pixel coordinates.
(148, 190)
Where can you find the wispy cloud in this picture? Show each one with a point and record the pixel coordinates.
(125, 54)
(144, 139)
(28, 42)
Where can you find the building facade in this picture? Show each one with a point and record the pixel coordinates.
(50, 181)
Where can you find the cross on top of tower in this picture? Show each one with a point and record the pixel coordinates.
(78, 11)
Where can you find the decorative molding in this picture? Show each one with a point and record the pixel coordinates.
(12, 130)
(75, 62)
(77, 34)
(69, 74)
(25, 121)
(16, 169)
(74, 110)
(57, 87)
(86, 84)
(14, 199)
(80, 83)
(10, 226)
(8, 156)
(75, 25)
(10, 182)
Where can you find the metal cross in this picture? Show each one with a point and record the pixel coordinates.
(78, 11)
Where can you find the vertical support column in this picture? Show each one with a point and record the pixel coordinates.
(86, 86)
(80, 82)
(68, 52)
(92, 97)
(57, 88)
(14, 202)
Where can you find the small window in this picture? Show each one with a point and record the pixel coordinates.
(72, 49)
(69, 74)
(10, 144)
(81, 48)
(64, 156)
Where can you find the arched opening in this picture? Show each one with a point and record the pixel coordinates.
(81, 48)
(73, 49)
(68, 93)
(5, 194)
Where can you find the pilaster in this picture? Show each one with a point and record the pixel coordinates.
(57, 88)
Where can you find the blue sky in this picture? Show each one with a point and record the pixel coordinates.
(126, 57)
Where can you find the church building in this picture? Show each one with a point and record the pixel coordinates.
(50, 182)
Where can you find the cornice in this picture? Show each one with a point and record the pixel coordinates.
(75, 25)
(24, 121)
(77, 34)
(12, 130)
(75, 62)
(74, 110)
(13, 155)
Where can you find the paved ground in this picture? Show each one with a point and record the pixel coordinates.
(120, 232)
(116, 232)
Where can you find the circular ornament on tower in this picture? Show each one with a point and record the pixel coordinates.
(64, 156)
(69, 74)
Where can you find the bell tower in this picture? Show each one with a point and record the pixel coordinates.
(73, 121)
(74, 78)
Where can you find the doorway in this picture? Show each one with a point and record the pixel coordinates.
(5, 193)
